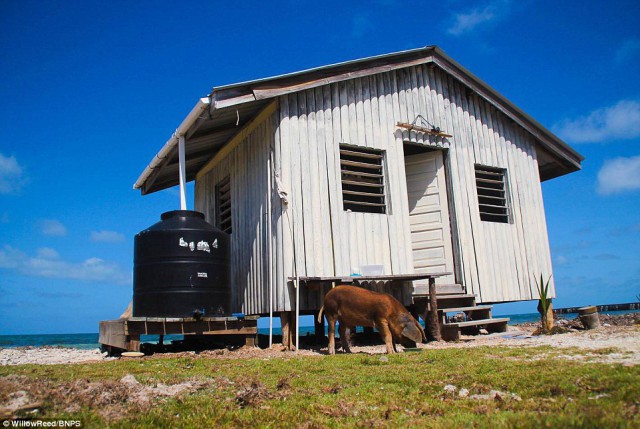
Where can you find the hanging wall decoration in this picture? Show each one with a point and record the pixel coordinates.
(429, 129)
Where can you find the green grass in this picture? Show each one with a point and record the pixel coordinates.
(363, 391)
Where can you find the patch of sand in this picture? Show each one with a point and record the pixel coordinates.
(48, 355)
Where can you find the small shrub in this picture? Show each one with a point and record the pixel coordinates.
(545, 304)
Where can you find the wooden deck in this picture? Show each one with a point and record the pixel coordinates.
(124, 334)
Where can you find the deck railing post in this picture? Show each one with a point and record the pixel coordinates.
(433, 325)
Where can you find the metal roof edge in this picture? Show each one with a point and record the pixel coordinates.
(322, 68)
(546, 137)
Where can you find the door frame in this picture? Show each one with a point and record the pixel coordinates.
(416, 148)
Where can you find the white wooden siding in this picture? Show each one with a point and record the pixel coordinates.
(497, 262)
(247, 166)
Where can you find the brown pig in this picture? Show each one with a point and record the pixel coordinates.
(354, 306)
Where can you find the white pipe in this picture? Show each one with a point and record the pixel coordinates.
(270, 247)
(191, 118)
(297, 311)
(182, 173)
(292, 227)
(295, 262)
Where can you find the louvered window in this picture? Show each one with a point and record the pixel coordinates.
(223, 205)
(362, 179)
(492, 194)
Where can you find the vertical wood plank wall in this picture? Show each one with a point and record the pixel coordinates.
(497, 262)
(248, 168)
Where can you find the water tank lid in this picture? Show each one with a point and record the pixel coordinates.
(181, 213)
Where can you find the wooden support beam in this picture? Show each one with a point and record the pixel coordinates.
(133, 343)
(238, 138)
(432, 323)
(286, 335)
(288, 322)
(319, 326)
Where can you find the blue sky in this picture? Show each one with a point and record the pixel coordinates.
(91, 90)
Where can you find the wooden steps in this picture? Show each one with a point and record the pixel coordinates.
(452, 300)
(474, 317)
(479, 322)
(451, 331)
(464, 309)
(423, 289)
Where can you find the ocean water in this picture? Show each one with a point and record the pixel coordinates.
(90, 341)
(76, 341)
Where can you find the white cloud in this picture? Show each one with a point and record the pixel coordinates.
(10, 257)
(618, 122)
(606, 257)
(106, 236)
(47, 253)
(360, 25)
(628, 51)
(53, 227)
(11, 175)
(619, 175)
(470, 20)
(562, 260)
(47, 263)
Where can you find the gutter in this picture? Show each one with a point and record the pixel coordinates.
(182, 129)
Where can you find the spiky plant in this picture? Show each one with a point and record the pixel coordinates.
(545, 303)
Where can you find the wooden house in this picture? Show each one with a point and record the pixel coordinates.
(405, 161)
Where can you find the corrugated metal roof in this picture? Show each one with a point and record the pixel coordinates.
(233, 106)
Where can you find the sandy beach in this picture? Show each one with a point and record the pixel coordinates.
(617, 341)
(48, 355)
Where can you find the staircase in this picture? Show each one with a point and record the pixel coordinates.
(458, 313)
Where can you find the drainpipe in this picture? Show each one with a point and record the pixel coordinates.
(183, 173)
(270, 245)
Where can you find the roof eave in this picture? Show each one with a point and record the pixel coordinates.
(162, 155)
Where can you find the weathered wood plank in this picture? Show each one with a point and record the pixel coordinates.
(324, 243)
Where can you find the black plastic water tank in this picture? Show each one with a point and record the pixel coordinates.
(181, 268)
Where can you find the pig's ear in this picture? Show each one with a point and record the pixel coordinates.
(410, 331)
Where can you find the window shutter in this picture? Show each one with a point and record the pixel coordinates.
(362, 179)
(492, 194)
(223, 205)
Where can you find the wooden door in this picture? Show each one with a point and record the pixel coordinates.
(429, 216)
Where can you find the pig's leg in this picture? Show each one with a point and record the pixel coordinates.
(332, 335)
(385, 333)
(344, 337)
